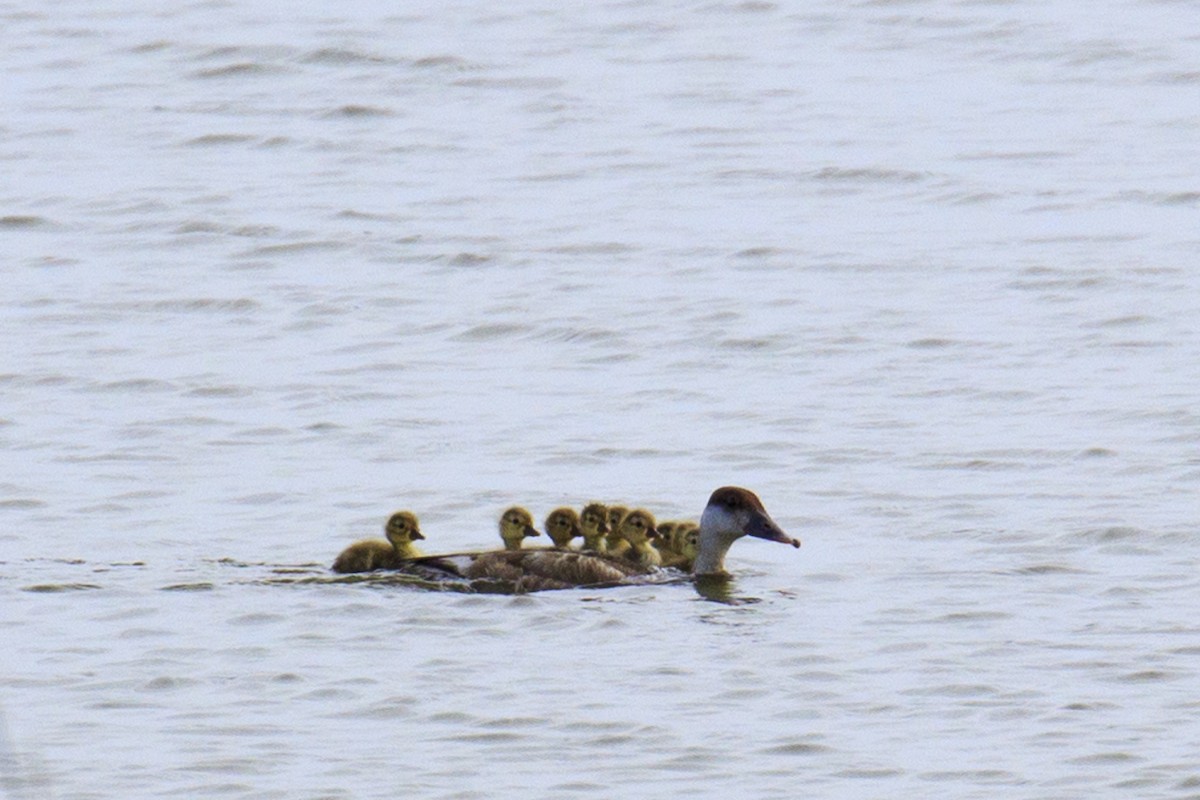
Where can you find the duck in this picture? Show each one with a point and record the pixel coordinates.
(562, 526)
(638, 529)
(402, 529)
(516, 525)
(593, 524)
(732, 512)
(613, 543)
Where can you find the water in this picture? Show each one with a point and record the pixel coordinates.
(920, 274)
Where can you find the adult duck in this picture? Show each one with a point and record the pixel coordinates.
(731, 513)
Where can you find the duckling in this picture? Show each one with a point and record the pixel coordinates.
(372, 554)
(687, 543)
(515, 524)
(665, 542)
(593, 523)
(613, 543)
(562, 526)
(732, 512)
(638, 530)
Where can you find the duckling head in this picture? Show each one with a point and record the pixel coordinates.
(689, 543)
(666, 536)
(682, 530)
(615, 515)
(562, 526)
(593, 524)
(402, 528)
(515, 524)
(401, 531)
(638, 528)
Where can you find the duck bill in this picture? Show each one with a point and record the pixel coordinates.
(417, 535)
(531, 532)
(764, 527)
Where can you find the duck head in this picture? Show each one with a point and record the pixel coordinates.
(515, 524)
(733, 512)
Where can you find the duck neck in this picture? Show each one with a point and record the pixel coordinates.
(710, 560)
(594, 542)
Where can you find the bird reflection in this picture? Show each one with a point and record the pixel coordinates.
(720, 589)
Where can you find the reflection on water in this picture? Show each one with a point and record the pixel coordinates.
(22, 775)
(720, 589)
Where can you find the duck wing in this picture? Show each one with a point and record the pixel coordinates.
(447, 566)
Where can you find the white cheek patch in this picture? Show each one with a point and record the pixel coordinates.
(721, 522)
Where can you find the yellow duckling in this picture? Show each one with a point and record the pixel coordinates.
(515, 524)
(372, 554)
(614, 544)
(686, 545)
(638, 530)
(593, 524)
(562, 526)
(665, 543)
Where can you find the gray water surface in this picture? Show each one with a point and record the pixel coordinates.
(921, 274)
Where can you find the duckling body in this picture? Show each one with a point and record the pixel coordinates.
(369, 555)
(593, 524)
(686, 545)
(614, 544)
(732, 513)
(562, 526)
